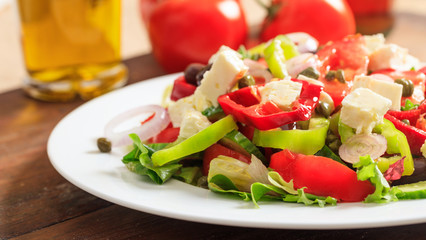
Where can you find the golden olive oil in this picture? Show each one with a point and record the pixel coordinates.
(71, 47)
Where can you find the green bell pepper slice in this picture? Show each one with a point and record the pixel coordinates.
(196, 143)
(306, 142)
(280, 49)
(397, 143)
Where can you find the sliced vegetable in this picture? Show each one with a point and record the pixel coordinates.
(196, 143)
(237, 141)
(367, 170)
(145, 131)
(243, 175)
(215, 150)
(392, 128)
(244, 105)
(139, 161)
(412, 190)
(362, 144)
(181, 89)
(321, 176)
(295, 140)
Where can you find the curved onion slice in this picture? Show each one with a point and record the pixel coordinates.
(299, 63)
(305, 43)
(362, 144)
(257, 69)
(145, 131)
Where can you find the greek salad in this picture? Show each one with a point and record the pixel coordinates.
(289, 120)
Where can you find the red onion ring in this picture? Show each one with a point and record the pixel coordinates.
(257, 69)
(305, 43)
(145, 131)
(359, 145)
(299, 63)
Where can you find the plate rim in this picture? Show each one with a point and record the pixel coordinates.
(187, 217)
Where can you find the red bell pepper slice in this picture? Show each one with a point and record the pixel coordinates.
(410, 115)
(244, 104)
(415, 136)
(321, 176)
(181, 89)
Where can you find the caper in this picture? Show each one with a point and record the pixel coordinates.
(200, 74)
(407, 86)
(310, 72)
(335, 145)
(406, 121)
(191, 72)
(340, 76)
(331, 75)
(324, 108)
(246, 81)
(331, 138)
(104, 145)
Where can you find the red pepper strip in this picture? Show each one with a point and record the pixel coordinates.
(415, 137)
(244, 105)
(181, 89)
(410, 115)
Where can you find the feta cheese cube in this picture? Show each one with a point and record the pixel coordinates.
(283, 93)
(389, 90)
(392, 56)
(178, 109)
(373, 42)
(363, 109)
(227, 68)
(192, 123)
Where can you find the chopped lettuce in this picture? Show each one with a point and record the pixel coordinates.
(139, 161)
(367, 169)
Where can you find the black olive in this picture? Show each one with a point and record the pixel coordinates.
(191, 72)
(200, 74)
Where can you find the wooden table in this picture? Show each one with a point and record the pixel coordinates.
(38, 203)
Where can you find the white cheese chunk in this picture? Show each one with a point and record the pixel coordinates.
(374, 42)
(192, 123)
(227, 68)
(283, 93)
(363, 109)
(392, 56)
(178, 109)
(389, 90)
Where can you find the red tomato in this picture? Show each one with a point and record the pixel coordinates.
(417, 77)
(326, 20)
(181, 89)
(215, 150)
(168, 135)
(188, 31)
(349, 54)
(365, 7)
(321, 176)
(421, 122)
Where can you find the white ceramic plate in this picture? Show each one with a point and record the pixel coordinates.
(73, 152)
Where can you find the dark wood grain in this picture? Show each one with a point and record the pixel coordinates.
(37, 203)
(32, 194)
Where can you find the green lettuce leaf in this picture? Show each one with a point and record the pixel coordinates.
(367, 169)
(139, 161)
